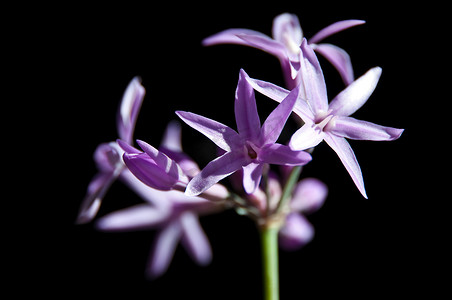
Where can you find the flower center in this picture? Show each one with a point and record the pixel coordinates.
(325, 123)
(251, 150)
(290, 43)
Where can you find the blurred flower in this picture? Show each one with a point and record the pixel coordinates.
(285, 45)
(331, 122)
(250, 148)
(107, 157)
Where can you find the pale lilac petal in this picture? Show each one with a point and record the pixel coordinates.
(278, 94)
(306, 137)
(107, 157)
(352, 128)
(172, 138)
(195, 240)
(146, 170)
(339, 59)
(127, 147)
(287, 27)
(347, 156)
(97, 189)
(283, 155)
(296, 232)
(164, 247)
(129, 108)
(252, 175)
(334, 28)
(265, 44)
(216, 170)
(309, 195)
(229, 36)
(220, 134)
(274, 124)
(313, 81)
(138, 217)
(246, 116)
(356, 94)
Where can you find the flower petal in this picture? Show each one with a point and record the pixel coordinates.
(222, 135)
(163, 250)
(287, 26)
(339, 59)
(172, 138)
(283, 155)
(265, 44)
(274, 124)
(313, 81)
(356, 94)
(278, 94)
(138, 217)
(195, 240)
(216, 170)
(309, 195)
(229, 36)
(306, 137)
(246, 115)
(334, 28)
(347, 156)
(361, 130)
(146, 170)
(252, 174)
(296, 232)
(129, 108)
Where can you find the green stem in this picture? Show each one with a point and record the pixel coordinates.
(289, 187)
(269, 240)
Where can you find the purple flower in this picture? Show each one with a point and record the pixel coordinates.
(175, 216)
(250, 148)
(107, 157)
(285, 45)
(331, 122)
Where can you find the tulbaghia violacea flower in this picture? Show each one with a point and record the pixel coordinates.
(250, 148)
(106, 156)
(331, 122)
(285, 45)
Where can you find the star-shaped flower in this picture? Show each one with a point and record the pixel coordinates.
(331, 122)
(249, 148)
(285, 45)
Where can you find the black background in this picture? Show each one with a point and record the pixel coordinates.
(73, 64)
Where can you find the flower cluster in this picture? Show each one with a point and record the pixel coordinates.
(264, 174)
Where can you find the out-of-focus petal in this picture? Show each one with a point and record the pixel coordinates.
(313, 80)
(274, 124)
(309, 195)
(339, 59)
(283, 155)
(107, 157)
(296, 232)
(172, 138)
(246, 115)
(287, 26)
(278, 94)
(164, 246)
(347, 156)
(220, 134)
(138, 217)
(129, 108)
(97, 189)
(356, 94)
(334, 28)
(195, 240)
(362, 130)
(216, 170)
(306, 137)
(252, 174)
(229, 36)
